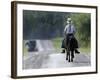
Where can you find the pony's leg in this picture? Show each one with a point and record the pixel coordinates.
(67, 54)
(72, 55)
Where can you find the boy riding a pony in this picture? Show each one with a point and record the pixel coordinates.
(69, 30)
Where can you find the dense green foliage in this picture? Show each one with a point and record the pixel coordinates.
(82, 22)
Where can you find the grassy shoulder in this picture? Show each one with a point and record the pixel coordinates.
(25, 49)
(57, 42)
(85, 50)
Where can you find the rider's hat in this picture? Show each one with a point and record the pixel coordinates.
(69, 20)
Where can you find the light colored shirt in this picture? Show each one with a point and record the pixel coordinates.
(69, 29)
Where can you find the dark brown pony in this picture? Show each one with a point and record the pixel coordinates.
(70, 47)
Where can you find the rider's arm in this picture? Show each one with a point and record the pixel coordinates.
(65, 29)
(74, 30)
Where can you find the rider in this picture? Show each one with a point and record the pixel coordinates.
(69, 30)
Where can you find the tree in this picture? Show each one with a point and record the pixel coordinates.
(82, 21)
(43, 24)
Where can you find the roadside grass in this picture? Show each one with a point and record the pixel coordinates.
(25, 50)
(57, 42)
(85, 50)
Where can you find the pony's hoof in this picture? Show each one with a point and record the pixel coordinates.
(72, 60)
(66, 58)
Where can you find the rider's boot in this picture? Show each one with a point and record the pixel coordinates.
(63, 51)
(76, 51)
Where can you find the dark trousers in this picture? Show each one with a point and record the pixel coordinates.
(66, 40)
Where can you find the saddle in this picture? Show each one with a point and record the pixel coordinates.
(69, 41)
